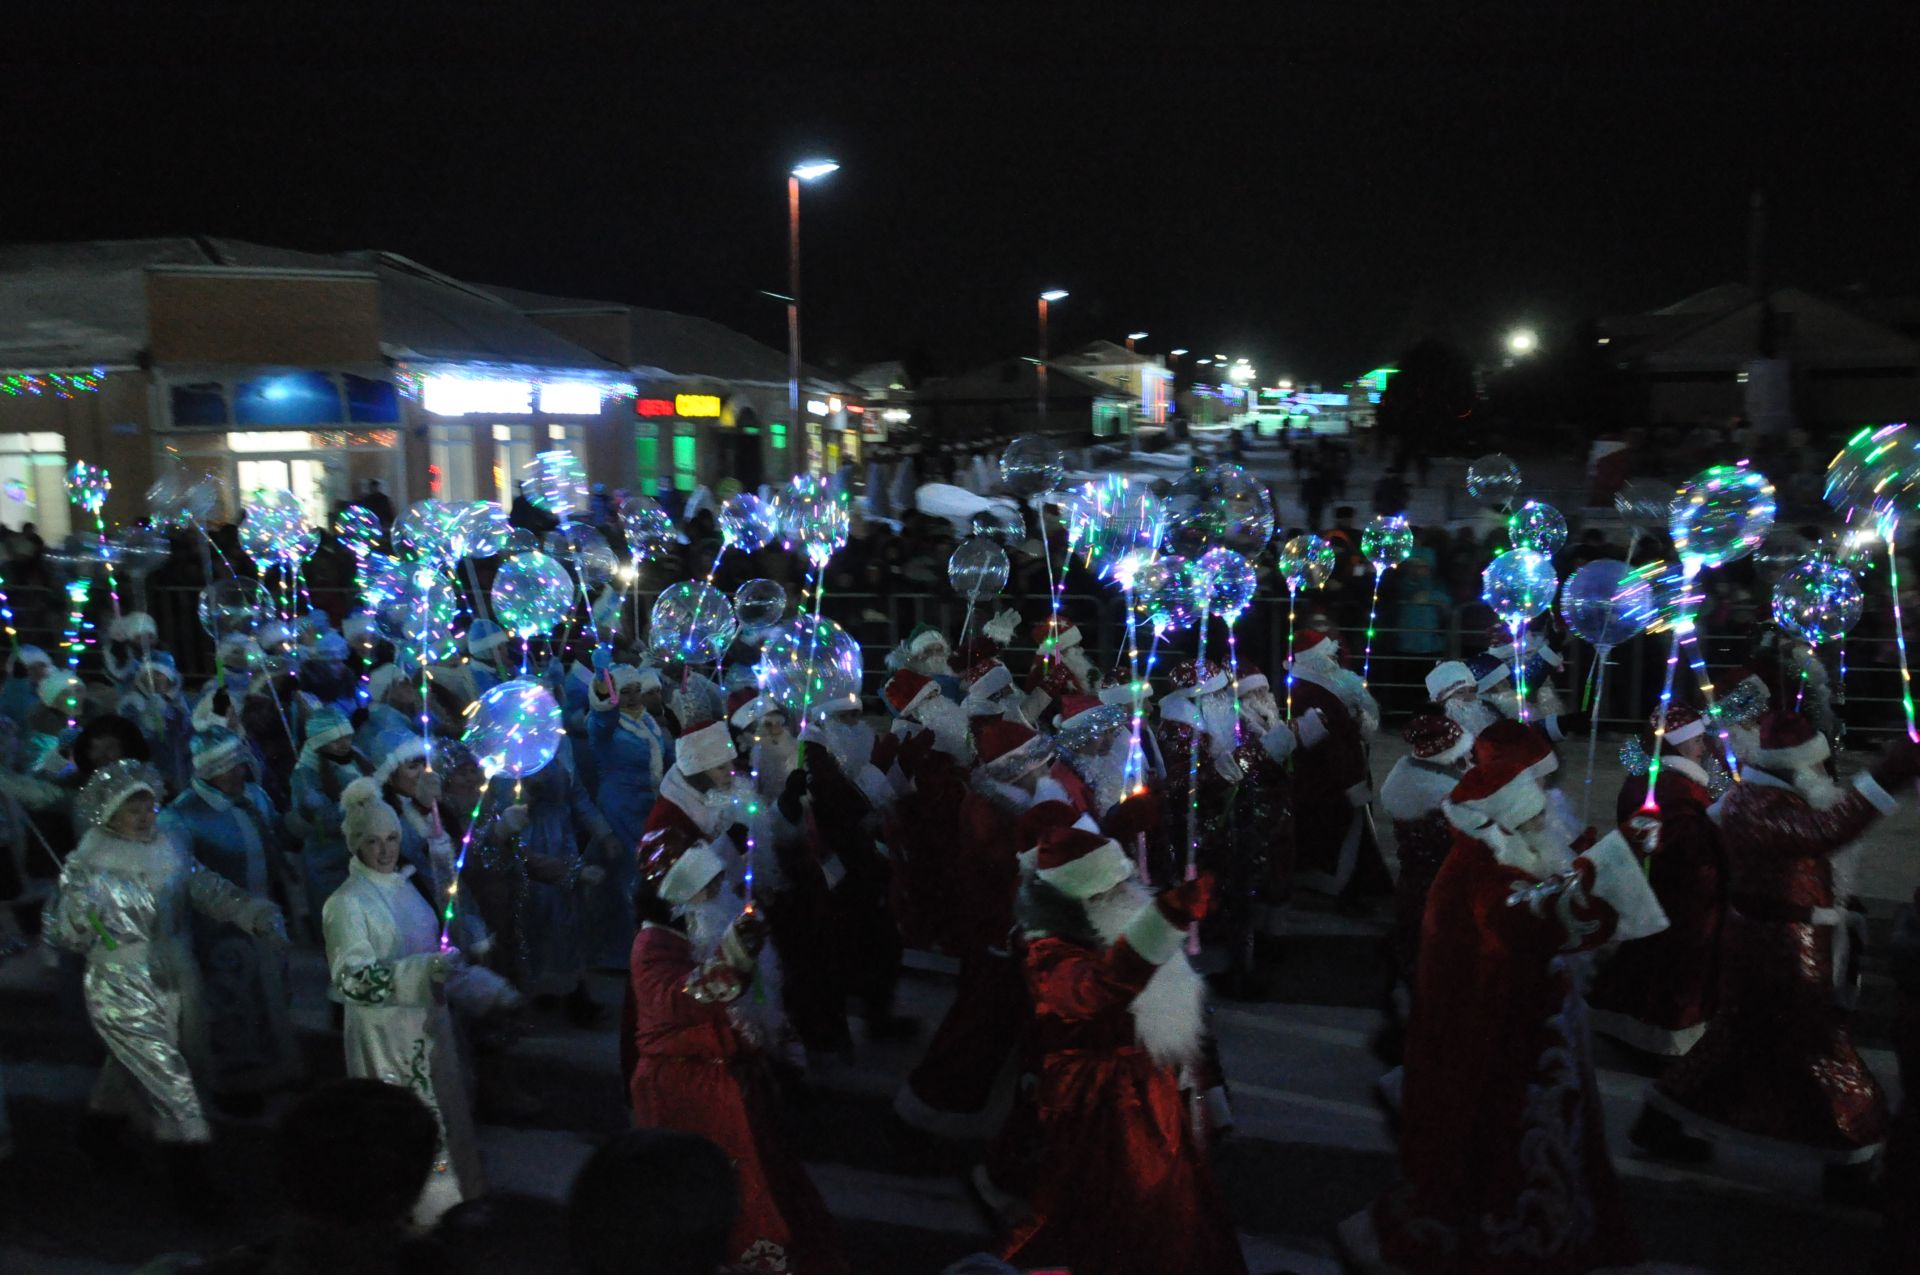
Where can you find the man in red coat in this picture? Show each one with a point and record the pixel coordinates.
(1061, 666)
(1503, 1155)
(695, 1049)
(933, 756)
(1657, 995)
(1334, 847)
(1123, 1186)
(1778, 1062)
(1413, 795)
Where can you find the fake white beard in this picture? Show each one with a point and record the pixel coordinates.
(1079, 665)
(1819, 790)
(1105, 772)
(773, 761)
(1012, 705)
(1470, 715)
(1221, 728)
(1262, 711)
(1547, 841)
(1169, 1014)
(948, 722)
(843, 742)
(760, 1015)
(931, 663)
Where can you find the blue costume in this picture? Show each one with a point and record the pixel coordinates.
(633, 753)
(541, 919)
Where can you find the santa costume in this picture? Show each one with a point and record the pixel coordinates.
(932, 752)
(1413, 795)
(1335, 850)
(1503, 1155)
(1061, 666)
(1657, 994)
(1198, 738)
(1777, 1063)
(1124, 1187)
(695, 1056)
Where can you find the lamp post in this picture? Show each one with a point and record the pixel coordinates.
(1047, 298)
(807, 171)
(1132, 337)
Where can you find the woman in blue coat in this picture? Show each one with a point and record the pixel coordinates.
(228, 825)
(633, 751)
(327, 765)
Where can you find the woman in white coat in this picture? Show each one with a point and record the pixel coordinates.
(386, 967)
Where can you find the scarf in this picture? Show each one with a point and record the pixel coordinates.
(653, 734)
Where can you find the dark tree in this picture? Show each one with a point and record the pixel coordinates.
(1430, 403)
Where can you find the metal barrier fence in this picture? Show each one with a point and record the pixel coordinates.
(1868, 701)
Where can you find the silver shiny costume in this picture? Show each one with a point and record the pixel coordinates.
(125, 905)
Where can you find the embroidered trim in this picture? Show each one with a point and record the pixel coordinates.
(367, 985)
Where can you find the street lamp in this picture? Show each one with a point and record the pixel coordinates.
(805, 171)
(1522, 341)
(1132, 337)
(1047, 298)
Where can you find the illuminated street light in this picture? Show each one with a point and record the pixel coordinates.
(1522, 341)
(811, 169)
(805, 171)
(1177, 352)
(1054, 294)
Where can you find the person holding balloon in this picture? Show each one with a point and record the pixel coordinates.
(1336, 853)
(327, 765)
(633, 752)
(1061, 666)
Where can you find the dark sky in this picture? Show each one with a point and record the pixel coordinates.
(1310, 185)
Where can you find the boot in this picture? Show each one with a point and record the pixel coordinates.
(190, 1180)
(1661, 1136)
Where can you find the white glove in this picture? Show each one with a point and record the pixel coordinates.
(445, 963)
(264, 921)
(515, 819)
(426, 792)
(592, 875)
(1311, 728)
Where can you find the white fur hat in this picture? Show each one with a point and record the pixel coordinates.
(364, 812)
(133, 626)
(705, 746)
(1447, 678)
(382, 680)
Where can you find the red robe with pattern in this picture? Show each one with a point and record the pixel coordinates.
(922, 829)
(1332, 836)
(692, 1071)
(1503, 1154)
(1778, 1061)
(1214, 845)
(1124, 1188)
(1422, 838)
(1657, 994)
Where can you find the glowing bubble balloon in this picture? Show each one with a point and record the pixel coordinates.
(556, 481)
(381, 578)
(87, 486)
(1537, 526)
(1306, 562)
(275, 529)
(649, 530)
(1659, 590)
(1001, 523)
(429, 531)
(1642, 504)
(814, 518)
(483, 530)
(692, 622)
(748, 523)
(515, 729)
(358, 528)
(138, 550)
(608, 606)
(585, 550)
(1721, 515)
(1817, 601)
(1230, 581)
(1116, 525)
(978, 569)
(1875, 477)
(532, 594)
(1593, 607)
(1222, 508)
(1493, 481)
(1518, 585)
(760, 604)
(1161, 596)
(522, 540)
(1387, 541)
(1782, 550)
(236, 605)
(422, 614)
(1032, 465)
(806, 660)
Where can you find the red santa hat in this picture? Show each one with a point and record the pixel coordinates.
(704, 746)
(988, 677)
(1434, 737)
(1312, 646)
(1253, 682)
(1126, 694)
(1684, 722)
(1078, 709)
(1449, 678)
(1197, 678)
(1502, 789)
(677, 866)
(1789, 742)
(1080, 863)
(907, 689)
(738, 699)
(1008, 749)
(1508, 738)
(1056, 633)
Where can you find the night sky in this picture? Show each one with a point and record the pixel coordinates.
(1314, 188)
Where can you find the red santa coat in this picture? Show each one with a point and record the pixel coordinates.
(1412, 796)
(1778, 1061)
(1124, 1189)
(1503, 1154)
(693, 1072)
(1657, 994)
(922, 827)
(1332, 835)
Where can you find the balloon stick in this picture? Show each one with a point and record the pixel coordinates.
(1683, 626)
(1900, 633)
(1593, 728)
(1373, 613)
(460, 863)
(1291, 597)
(1194, 743)
(1518, 626)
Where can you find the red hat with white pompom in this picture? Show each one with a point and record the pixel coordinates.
(1080, 863)
(1788, 741)
(1008, 749)
(705, 746)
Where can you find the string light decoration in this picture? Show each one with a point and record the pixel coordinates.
(514, 729)
(1386, 543)
(56, 384)
(1306, 562)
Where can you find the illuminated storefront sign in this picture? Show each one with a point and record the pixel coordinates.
(653, 407)
(696, 405)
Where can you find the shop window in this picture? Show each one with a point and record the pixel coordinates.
(33, 486)
(646, 460)
(199, 404)
(287, 398)
(777, 438)
(450, 453)
(371, 402)
(686, 462)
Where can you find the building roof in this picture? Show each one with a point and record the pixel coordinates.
(1108, 354)
(1813, 331)
(1014, 379)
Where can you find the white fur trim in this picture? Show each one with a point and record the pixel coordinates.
(1415, 789)
(380, 681)
(1618, 880)
(691, 873)
(1360, 794)
(487, 642)
(1649, 1038)
(1152, 936)
(1795, 1152)
(221, 757)
(915, 1112)
(996, 679)
(702, 750)
(1127, 694)
(1280, 742)
(403, 753)
(1254, 682)
(1002, 627)
(1692, 730)
(1685, 766)
(1066, 638)
(1311, 727)
(1449, 677)
(1092, 873)
(1016, 762)
(1799, 757)
(1871, 789)
(1509, 848)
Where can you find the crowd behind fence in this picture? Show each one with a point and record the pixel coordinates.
(1868, 701)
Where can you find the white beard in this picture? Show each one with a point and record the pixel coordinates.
(948, 722)
(1819, 790)
(1169, 1014)
(1105, 773)
(1222, 733)
(1080, 666)
(851, 746)
(760, 1015)
(931, 663)
(1550, 843)
(1261, 710)
(1470, 715)
(773, 761)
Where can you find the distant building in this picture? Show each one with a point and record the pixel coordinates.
(995, 403)
(1144, 378)
(1780, 358)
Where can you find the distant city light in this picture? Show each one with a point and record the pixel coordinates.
(1136, 336)
(1522, 341)
(1054, 294)
(1177, 353)
(808, 170)
(570, 398)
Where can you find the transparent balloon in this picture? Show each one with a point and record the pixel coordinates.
(1116, 524)
(1661, 590)
(87, 486)
(1493, 481)
(532, 595)
(1594, 608)
(1721, 515)
(483, 529)
(381, 578)
(1818, 601)
(1642, 504)
(138, 550)
(275, 529)
(760, 604)
(649, 531)
(585, 550)
(1306, 562)
(1782, 550)
(1537, 526)
(748, 523)
(515, 729)
(693, 622)
(1518, 585)
(807, 660)
(1161, 596)
(978, 569)
(1387, 541)
(422, 614)
(1032, 464)
(555, 481)
(1226, 508)
(1003, 524)
(1230, 582)
(235, 605)
(608, 606)
(814, 518)
(430, 531)
(359, 529)
(522, 540)
(1875, 478)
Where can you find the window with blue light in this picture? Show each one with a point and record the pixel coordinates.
(288, 398)
(371, 402)
(199, 405)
